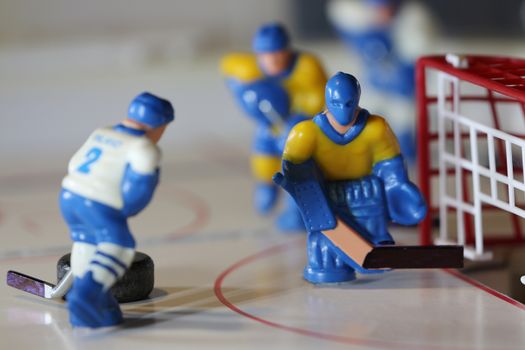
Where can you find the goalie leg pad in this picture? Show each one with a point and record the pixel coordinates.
(362, 204)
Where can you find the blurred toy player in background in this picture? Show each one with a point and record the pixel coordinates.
(111, 177)
(388, 36)
(346, 163)
(250, 77)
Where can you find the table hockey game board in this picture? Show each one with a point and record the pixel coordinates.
(225, 279)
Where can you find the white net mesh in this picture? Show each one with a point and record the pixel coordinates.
(481, 154)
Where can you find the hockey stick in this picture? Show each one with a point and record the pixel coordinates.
(273, 116)
(357, 250)
(38, 287)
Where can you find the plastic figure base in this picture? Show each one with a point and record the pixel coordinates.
(136, 284)
(321, 276)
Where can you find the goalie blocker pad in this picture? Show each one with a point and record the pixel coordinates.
(303, 182)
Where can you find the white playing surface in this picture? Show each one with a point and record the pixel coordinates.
(225, 279)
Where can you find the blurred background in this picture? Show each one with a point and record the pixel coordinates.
(70, 66)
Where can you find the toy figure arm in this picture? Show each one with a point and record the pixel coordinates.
(240, 70)
(241, 67)
(405, 203)
(382, 139)
(291, 122)
(140, 178)
(264, 100)
(300, 144)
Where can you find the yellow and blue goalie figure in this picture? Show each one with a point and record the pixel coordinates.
(346, 163)
(274, 63)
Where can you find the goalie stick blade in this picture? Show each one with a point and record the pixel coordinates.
(414, 257)
(29, 284)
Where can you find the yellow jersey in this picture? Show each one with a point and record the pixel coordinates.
(305, 82)
(349, 161)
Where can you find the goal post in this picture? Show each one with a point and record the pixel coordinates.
(471, 150)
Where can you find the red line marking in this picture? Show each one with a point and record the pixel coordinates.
(200, 208)
(31, 226)
(330, 337)
(485, 288)
(195, 203)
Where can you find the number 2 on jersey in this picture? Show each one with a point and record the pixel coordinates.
(91, 157)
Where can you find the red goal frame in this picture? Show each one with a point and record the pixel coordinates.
(504, 81)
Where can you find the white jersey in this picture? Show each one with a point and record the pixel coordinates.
(96, 170)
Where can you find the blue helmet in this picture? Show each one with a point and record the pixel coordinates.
(151, 110)
(270, 38)
(342, 95)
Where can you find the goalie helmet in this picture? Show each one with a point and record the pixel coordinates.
(342, 95)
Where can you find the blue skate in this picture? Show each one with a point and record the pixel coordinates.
(90, 306)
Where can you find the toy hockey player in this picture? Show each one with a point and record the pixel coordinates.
(346, 164)
(388, 36)
(112, 177)
(302, 77)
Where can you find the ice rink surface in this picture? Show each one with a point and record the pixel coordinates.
(225, 279)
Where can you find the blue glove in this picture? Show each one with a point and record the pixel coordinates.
(405, 203)
(137, 190)
(304, 183)
(264, 100)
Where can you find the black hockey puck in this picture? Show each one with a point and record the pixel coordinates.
(136, 284)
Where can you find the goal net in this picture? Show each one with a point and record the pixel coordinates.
(471, 150)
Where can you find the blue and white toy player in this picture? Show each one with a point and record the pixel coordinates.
(388, 36)
(111, 177)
